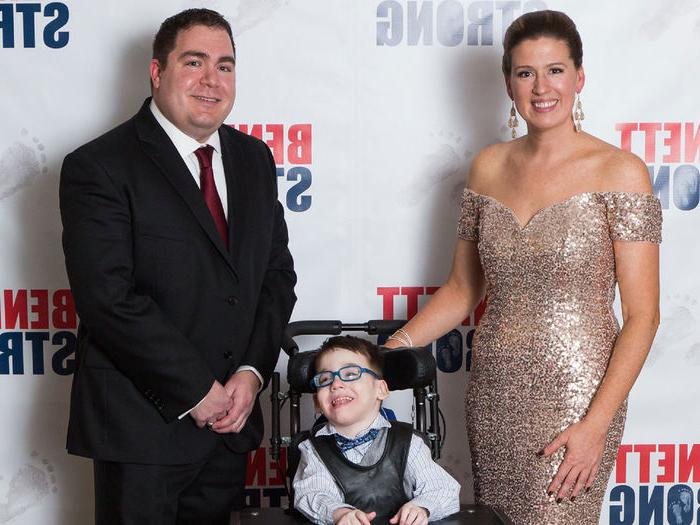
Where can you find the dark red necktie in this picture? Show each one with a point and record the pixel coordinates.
(211, 196)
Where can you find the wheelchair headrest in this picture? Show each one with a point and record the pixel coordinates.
(403, 368)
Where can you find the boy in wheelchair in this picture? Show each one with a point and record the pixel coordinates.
(358, 467)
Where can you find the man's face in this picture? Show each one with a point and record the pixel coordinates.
(196, 89)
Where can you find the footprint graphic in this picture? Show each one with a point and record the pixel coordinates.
(680, 506)
(29, 485)
(663, 18)
(685, 187)
(251, 12)
(447, 164)
(679, 317)
(693, 354)
(21, 164)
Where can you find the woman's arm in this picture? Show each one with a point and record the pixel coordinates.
(637, 270)
(638, 277)
(453, 302)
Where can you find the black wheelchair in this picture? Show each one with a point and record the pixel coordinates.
(405, 368)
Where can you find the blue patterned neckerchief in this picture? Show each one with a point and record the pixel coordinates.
(345, 444)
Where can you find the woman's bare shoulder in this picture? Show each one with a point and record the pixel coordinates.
(487, 167)
(615, 169)
(624, 171)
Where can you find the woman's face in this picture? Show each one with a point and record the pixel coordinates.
(543, 82)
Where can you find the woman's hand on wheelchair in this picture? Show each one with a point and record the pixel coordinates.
(348, 516)
(410, 514)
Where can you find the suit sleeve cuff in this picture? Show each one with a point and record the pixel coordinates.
(255, 371)
(191, 409)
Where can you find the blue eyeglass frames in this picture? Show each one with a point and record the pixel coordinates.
(346, 373)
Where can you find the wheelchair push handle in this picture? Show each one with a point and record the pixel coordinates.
(384, 327)
(373, 327)
(296, 328)
(313, 328)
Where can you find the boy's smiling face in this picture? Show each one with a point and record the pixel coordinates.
(349, 406)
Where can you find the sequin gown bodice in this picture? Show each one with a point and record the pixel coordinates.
(544, 341)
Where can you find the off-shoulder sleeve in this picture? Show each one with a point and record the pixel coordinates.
(634, 216)
(468, 225)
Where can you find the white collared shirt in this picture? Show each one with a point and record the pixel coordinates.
(186, 146)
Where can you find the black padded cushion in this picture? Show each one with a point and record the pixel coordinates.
(403, 368)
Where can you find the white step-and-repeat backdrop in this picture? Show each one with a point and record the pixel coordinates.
(374, 110)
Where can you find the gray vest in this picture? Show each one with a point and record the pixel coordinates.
(378, 487)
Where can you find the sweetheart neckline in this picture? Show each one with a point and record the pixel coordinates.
(523, 227)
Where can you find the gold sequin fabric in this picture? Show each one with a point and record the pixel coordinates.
(543, 344)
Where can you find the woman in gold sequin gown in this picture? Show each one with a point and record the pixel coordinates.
(550, 223)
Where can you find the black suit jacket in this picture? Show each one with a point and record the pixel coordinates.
(164, 308)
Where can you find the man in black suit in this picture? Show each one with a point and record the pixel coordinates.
(176, 251)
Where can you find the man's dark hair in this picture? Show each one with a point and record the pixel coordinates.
(165, 39)
(357, 345)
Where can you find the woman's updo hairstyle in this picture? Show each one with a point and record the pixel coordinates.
(554, 24)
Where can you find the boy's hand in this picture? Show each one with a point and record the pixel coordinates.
(409, 514)
(346, 516)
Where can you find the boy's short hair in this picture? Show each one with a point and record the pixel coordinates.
(357, 345)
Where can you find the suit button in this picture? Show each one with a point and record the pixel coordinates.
(228, 355)
(232, 300)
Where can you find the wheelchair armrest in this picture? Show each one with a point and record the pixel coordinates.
(403, 368)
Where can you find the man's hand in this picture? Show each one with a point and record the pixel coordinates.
(213, 407)
(346, 516)
(242, 387)
(410, 514)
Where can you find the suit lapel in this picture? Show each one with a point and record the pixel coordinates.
(161, 150)
(235, 168)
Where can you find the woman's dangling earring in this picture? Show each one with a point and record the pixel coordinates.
(578, 114)
(513, 120)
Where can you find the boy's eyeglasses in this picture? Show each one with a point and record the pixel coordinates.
(346, 373)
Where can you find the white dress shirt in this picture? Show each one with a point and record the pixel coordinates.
(317, 496)
(186, 147)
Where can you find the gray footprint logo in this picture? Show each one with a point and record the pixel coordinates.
(679, 317)
(29, 485)
(661, 20)
(251, 12)
(447, 164)
(21, 164)
(692, 355)
(685, 187)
